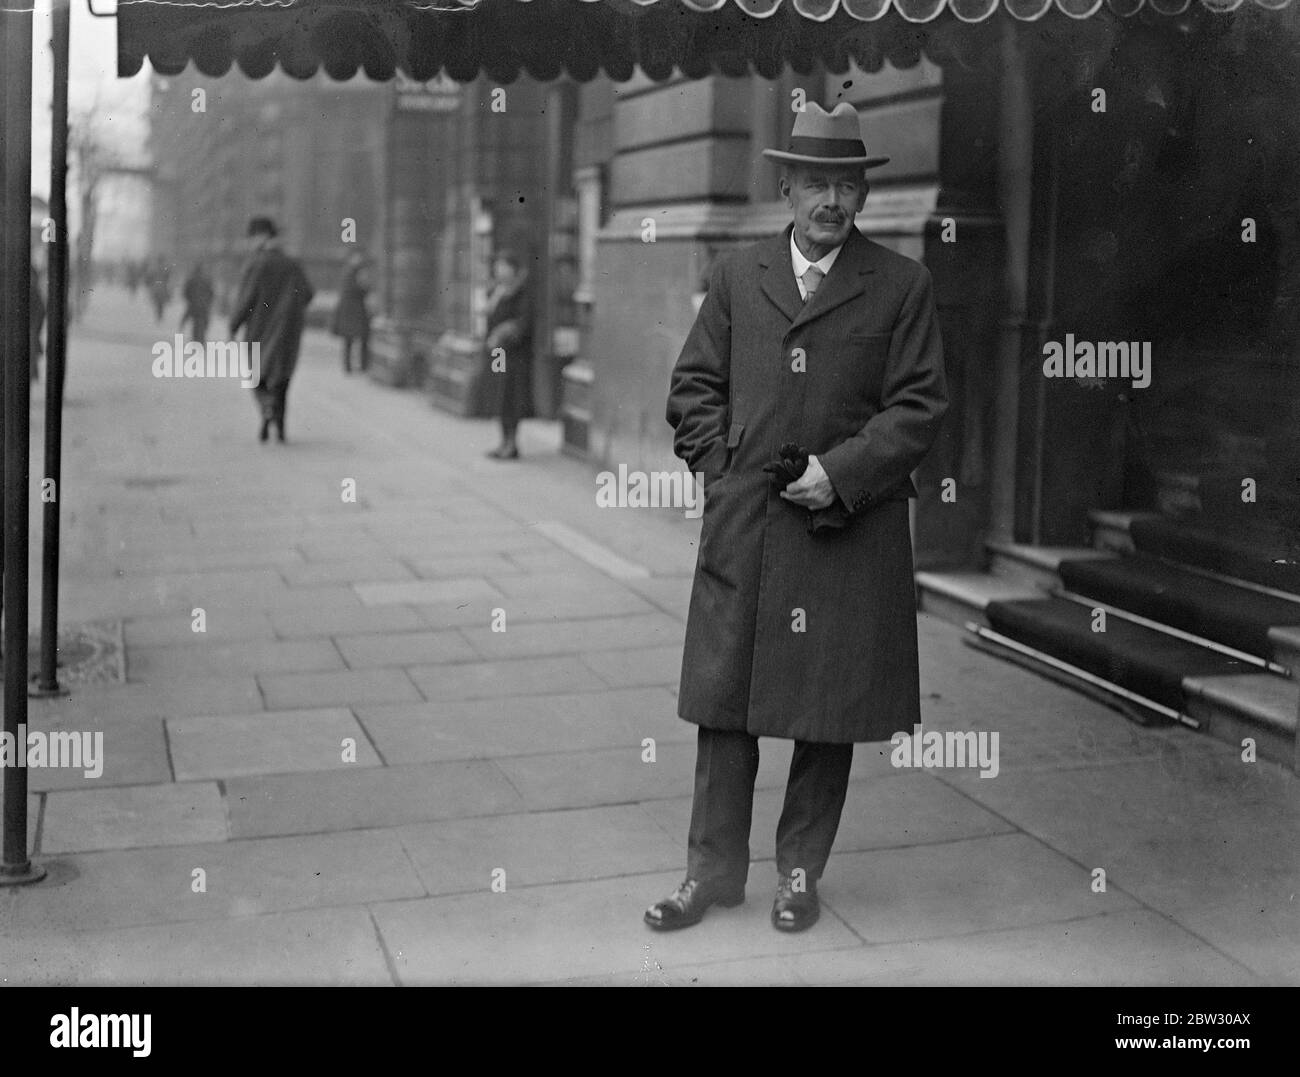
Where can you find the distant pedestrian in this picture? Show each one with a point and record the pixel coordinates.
(197, 292)
(272, 303)
(160, 288)
(351, 319)
(510, 328)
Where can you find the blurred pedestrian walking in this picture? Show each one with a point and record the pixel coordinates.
(160, 287)
(197, 291)
(510, 327)
(351, 319)
(272, 303)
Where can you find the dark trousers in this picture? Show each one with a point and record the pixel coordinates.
(726, 764)
(198, 321)
(271, 403)
(347, 352)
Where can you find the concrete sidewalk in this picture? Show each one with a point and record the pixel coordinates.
(349, 777)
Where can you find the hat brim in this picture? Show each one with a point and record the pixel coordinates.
(802, 158)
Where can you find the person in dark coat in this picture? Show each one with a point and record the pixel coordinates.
(809, 388)
(160, 288)
(198, 292)
(351, 319)
(510, 329)
(272, 303)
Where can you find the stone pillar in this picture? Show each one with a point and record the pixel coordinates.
(678, 183)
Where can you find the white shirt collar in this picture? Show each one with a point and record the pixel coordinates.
(801, 263)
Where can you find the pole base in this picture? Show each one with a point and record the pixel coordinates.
(36, 690)
(21, 874)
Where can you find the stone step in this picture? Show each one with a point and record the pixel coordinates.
(1035, 567)
(958, 597)
(1263, 708)
(1110, 529)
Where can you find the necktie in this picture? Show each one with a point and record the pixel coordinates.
(811, 278)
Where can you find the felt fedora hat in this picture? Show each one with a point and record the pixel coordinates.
(827, 138)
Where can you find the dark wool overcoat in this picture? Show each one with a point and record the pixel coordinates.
(351, 318)
(795, 632)
(272, 302)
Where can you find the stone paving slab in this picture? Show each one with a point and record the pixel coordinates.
(914, 810)
(404, 649)
(1162, 838)
(513, 677)
(572, 779)
(348, 547)
(1131, 948)
(197, 587)
(126, 817)
(177, 629)
(955, 888)
(642, 665)
(319, 948)
(416, 592)
(463, 564)
(364, 797)
(253, 656)
(185, 557)
(672, 594)
(135, 753)
(285, 690)
(129, 888)
(460, 856)
(96, 706)
(1261, 933)
(571, 605)
(359, 571)
(458, 613)
(355, 619)
(547, 933)
(487, 538)
(551, 570)
(517, 725)
(576, 636)
(266, 743)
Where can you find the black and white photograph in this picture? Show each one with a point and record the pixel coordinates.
(635, 493)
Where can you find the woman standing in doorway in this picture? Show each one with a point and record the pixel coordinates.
(510, 328)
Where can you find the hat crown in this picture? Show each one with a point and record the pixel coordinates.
(815, 122)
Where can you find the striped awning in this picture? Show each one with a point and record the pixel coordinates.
(547, 39)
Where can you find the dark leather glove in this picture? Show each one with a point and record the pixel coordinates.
(789, 466)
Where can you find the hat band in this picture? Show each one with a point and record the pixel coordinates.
(827, 147)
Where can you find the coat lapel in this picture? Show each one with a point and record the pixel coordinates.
(778, 282)
(842, 283)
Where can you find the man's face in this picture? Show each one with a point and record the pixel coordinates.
(825, 199)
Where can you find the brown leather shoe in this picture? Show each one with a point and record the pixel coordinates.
(795, 910)
(687, 904)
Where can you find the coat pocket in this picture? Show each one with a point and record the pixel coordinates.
(734, 433)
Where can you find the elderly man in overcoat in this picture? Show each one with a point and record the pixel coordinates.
(809, 388)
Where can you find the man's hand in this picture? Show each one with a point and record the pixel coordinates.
(812, 490)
